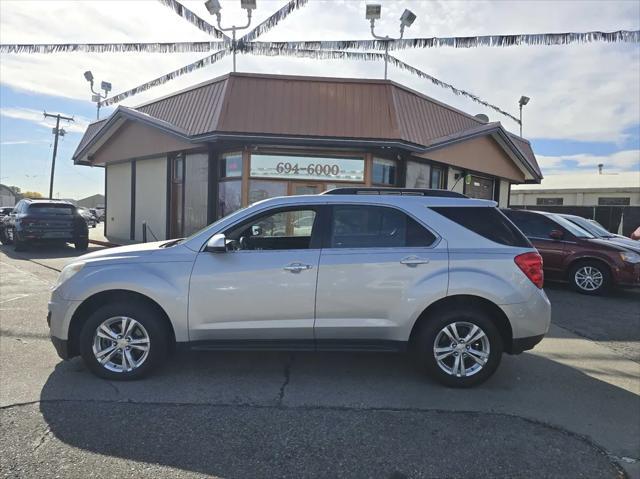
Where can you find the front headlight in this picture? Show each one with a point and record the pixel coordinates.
(630, 257)
(67, 272)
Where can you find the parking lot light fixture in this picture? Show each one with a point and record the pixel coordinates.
(373, 12)
(97, 97)
(214, 8)
(522, 102)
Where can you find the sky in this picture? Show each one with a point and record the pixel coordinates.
(585, 99)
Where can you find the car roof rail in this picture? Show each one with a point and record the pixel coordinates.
(393, 191)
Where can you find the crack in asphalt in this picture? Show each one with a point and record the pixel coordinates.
(287, 378)
(612, 458)
(43, 438)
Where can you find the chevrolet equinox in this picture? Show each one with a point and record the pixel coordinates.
(444, 277)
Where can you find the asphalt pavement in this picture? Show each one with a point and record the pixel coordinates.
(569, 408)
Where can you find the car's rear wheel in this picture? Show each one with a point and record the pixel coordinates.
(459, 348)
(590, 277)
(18, 244)
(81, 244)
(123, 341)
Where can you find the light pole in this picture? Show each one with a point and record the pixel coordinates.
(97, 97)
(214, 7)
(523, 101)
(373, 13)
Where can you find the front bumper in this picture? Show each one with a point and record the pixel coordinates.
(59, 319)
(628, 275)
(520, 345)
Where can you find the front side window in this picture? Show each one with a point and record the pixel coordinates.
(356, 226)
(284, 230)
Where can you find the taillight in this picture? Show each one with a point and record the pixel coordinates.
(531, 266)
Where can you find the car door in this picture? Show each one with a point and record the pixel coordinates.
(377, 266)
(263, 288)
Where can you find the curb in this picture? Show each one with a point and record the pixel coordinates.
(104, 243)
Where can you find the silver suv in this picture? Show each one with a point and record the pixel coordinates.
(447, 278)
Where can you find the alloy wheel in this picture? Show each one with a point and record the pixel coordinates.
(121, 344)
(461, 349)
(589, 278)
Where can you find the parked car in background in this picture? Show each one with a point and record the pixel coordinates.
(5, 210)
(88, 216)
(446, 277)
(599, 231)
(33, 221)
(95, 214)
(100, 213)
(636, 234)
(591, 265)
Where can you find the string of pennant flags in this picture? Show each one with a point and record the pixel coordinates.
(362, 50)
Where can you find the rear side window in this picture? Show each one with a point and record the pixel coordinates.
(51, 209)
(487, 222)
(355, 226)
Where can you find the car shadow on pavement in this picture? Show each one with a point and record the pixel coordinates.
(262, 414)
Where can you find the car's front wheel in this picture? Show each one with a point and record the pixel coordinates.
(590, 277)
(459, 348)
(123, 341)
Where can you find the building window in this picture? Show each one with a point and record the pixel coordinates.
(437, 178)
(479, 187)
(549, 201)
(262, 189)
(384, 172)
(229, 197)
(231, 165)
(196, 181)
(614, 201)
(307, 168)
(418, 175)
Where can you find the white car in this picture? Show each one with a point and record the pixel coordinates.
(445, 277)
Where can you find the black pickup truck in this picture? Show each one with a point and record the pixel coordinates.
(44, 220)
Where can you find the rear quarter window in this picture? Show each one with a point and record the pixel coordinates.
(488, 222)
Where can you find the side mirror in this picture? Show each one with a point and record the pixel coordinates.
(217, 244)
(556, 234)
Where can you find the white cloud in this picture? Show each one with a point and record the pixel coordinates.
(626, 160)
(580, 92)
(79, 125)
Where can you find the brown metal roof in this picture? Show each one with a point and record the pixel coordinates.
(320, 107)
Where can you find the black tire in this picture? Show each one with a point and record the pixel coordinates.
(597, 269)
(143, 314)
(424, 344)
(81, 244)
(18, 244)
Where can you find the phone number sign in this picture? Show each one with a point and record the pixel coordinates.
(307, 168)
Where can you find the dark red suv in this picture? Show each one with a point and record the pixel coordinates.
(591, 265)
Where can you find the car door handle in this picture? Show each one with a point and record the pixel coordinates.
(297, 267)
(414, 260)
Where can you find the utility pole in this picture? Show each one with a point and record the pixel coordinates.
(57, 131)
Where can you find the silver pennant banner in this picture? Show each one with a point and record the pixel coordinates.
(193, 19)
(464, 42)
(167, 77)
(369, 56)
(175, 47)
(274, 19)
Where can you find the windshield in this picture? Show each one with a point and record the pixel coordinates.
(573, 228)
(593, 228)
(51, 209)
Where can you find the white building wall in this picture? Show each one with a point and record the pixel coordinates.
(573, 198)
(118, 207)
(151, 198)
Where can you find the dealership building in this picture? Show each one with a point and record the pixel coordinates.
(182, 161)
